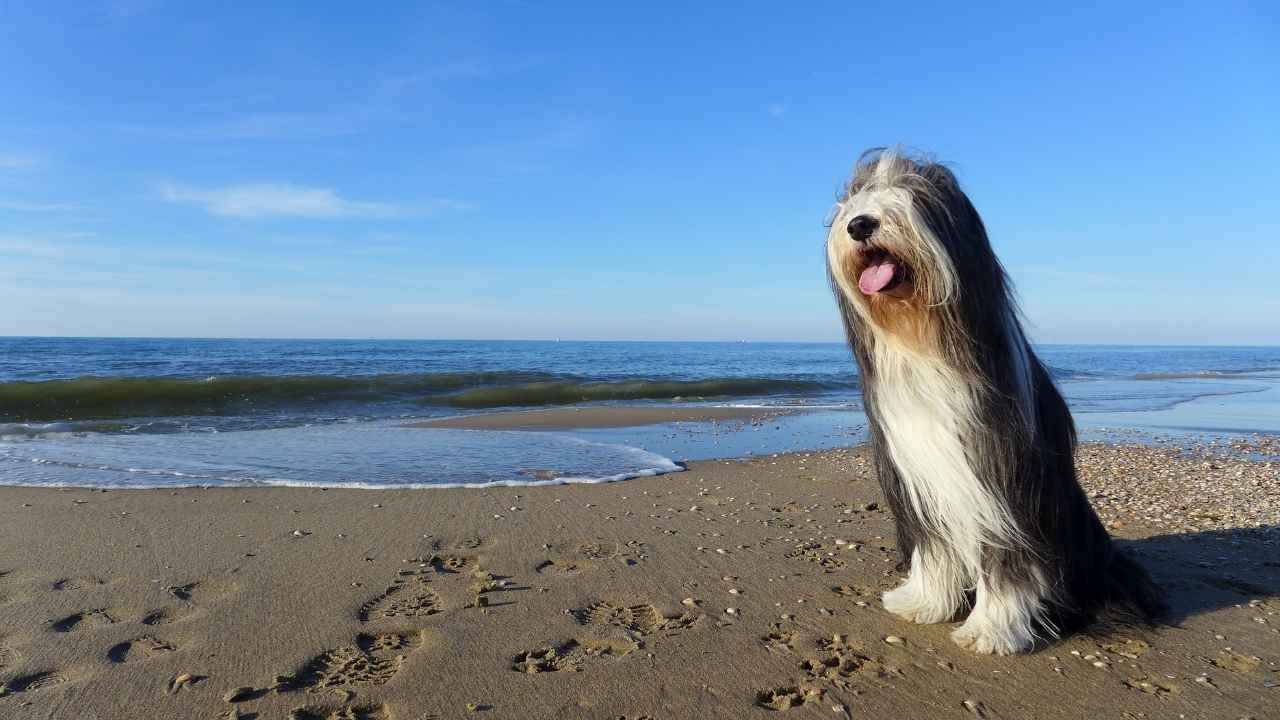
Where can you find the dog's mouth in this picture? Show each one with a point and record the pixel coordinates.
(883, 274)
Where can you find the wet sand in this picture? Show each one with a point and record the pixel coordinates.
(596, 417)
(737, 589)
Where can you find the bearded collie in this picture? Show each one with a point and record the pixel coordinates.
(972, 442)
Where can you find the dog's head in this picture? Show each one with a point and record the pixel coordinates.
(907, 251)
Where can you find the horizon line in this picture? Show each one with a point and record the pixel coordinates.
(554, 340)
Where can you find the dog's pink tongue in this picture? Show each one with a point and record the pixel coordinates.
(876, 277)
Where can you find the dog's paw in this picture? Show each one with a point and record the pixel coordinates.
(907, 603)
(986, 638)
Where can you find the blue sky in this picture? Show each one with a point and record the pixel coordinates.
(630, 171)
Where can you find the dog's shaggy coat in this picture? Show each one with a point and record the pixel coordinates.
(973, 443)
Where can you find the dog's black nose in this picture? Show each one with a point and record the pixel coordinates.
(861, 227)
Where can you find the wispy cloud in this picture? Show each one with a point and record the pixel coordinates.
(261, 200)
(777, 110)
(260, 126)
(472, 68)
(259, 107)
(23, 206)
(11, 161)
(44, 246)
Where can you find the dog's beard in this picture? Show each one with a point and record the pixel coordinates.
(891, 283)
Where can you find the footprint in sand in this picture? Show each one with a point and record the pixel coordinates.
(588, 556)
(98, 617)
(851, 591)
(141, 648)
(165, 616)
(350, 712)
(594, 551)
(679, 623)
(778, 640)
(1152, 686)
(372, 660)
(640, 620)
(635, 621)
(410, 596)
(632, 552)
(571, 655)
(469, 543)
(561, 567)
(813, 552)
(787, 697)
(443, 563)
(1235, 662)
(202, 590)
(77, 583)
(32, 682)
(839, 662)
(450, 563)
(1129, 647)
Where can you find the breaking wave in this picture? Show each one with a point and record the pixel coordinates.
(99, 398)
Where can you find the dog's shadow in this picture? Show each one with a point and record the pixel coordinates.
(1205, 571)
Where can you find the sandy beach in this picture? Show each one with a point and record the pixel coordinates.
(739, 588)
(536, 361)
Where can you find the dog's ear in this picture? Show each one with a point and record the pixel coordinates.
(950, 214)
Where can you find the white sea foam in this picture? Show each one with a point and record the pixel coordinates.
(672, 467)
(371, 455)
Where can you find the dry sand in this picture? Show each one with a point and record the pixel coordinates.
(737, 589)
(595, 417)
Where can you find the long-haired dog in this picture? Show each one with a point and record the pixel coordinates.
(972, 442)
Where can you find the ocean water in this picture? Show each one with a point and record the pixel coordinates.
(160, 412)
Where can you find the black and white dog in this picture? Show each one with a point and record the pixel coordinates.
(972, 442)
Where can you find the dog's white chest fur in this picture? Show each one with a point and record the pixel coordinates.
(926, 410)
(931, 433)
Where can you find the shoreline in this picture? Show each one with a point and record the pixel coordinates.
(592, 417)
(532, 446)
(1225, 486)
(594, 601)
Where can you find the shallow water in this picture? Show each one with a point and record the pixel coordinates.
(357, 455)
(139, 413)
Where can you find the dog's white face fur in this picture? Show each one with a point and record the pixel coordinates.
(925, 281)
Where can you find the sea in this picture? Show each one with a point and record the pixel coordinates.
(138, 413)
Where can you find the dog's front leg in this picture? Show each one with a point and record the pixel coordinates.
(1007, 613)
(934, 590)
